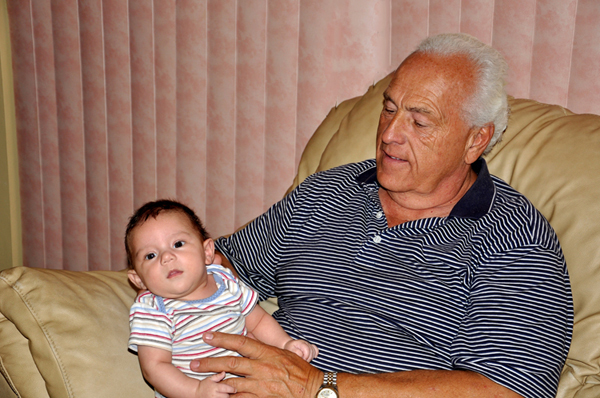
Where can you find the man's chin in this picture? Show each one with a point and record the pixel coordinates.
(391, 180)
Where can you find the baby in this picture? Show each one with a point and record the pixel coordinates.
(183, 295)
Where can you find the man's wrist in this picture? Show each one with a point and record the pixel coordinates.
(314, 383)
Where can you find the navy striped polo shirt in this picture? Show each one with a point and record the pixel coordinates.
(485, 289)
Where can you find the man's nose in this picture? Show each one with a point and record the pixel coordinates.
(395, 130)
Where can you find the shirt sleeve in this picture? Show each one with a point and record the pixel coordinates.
(248, 297)
(149, 327)
(518, 327)
(255, 250)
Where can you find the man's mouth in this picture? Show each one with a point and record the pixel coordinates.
(174, 273)
(395, 158)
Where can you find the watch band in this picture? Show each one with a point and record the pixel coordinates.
(329, 387)
(330, 379)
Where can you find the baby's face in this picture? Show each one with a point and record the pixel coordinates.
(170, 258)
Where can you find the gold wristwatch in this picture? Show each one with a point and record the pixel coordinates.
(329, 387)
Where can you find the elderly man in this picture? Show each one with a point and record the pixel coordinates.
(417, 274)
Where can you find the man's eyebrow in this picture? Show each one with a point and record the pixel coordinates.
(417, 109)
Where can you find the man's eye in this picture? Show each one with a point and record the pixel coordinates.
(389, 107)
(178, 244)
(150, 256)
(418, 124)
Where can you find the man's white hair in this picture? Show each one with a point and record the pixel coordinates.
(488, 104)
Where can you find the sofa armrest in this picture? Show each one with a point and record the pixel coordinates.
(64, 334)
(17, 365)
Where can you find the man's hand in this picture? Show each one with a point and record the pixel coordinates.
(268, 371)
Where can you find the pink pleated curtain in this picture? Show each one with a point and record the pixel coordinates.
(212, 102)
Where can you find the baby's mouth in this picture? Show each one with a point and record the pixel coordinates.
(174, 273)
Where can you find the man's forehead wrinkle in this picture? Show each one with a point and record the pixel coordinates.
(427, 105)
(432, 86)
(412, 100)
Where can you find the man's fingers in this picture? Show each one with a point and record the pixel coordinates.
(234, 365)
(263, 387)
(247, 347)
(242, 384)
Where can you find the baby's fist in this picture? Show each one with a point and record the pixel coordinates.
(303, 349)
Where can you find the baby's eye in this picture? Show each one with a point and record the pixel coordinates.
(150, 256)
(178, 244)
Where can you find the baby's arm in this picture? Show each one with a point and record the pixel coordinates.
(266, 329)
(171, 382)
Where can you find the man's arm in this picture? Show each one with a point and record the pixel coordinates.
(272, 372)
(222, 260)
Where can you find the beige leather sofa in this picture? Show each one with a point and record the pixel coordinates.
(64, 334)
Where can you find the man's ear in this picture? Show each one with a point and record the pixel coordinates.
(479, 138)
(135, 279)
(209, 251)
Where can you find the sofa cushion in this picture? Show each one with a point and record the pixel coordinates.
(16, 363)
(74, 326)
(550, 155)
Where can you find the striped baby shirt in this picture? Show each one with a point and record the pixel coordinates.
(178, 326)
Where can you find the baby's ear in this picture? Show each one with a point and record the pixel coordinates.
(209, 251)
(135, 279)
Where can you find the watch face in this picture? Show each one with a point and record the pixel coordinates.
(327, 393)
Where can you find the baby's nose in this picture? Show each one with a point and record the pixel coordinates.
(167, 257)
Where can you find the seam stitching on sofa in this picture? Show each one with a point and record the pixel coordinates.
(6, 376)
(51, 342)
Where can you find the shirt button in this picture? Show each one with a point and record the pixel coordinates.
(379, 214)
(377, 239)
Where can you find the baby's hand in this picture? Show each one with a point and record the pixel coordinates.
(211, 388)
(303, 349)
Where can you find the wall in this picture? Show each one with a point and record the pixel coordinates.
(211, 102)
(10, 210)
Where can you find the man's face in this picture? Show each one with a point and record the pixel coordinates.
(422, 139)
(169, 257)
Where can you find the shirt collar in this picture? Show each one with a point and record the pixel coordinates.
(474, 204)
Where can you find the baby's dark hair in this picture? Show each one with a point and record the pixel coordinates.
(153, 209)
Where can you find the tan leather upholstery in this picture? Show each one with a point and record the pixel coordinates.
(75, 327)
(64, 334)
